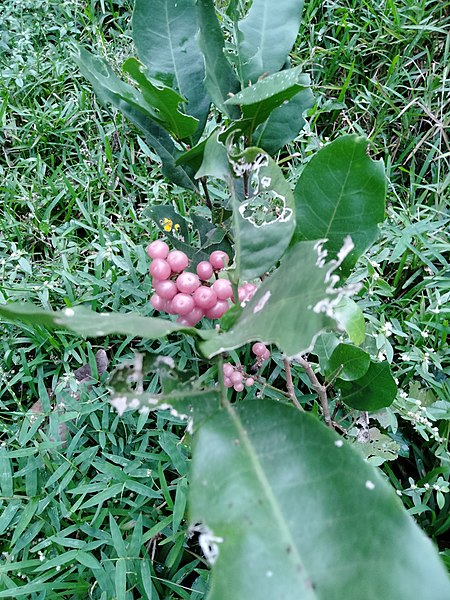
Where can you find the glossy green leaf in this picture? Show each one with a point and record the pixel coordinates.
(266, 36)
(163, 100)
(285, 122)
(289, 309)
(220, 79)
(375, 390)
(215, 161)
(351, 319)
(164, 33)
(110, 89)
(259, 100)
(341, 192)
(91, 324)
(283, 506)
(264, 221)
(348, 363)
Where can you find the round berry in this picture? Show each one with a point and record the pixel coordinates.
(182, 304)
(205, 270)
(177, 260)
(238, 387)
(223, 289)
(167, 289)
(218, 310)
(158, 303)
(250, 290)
(249, 381)
(183, 321)
(205, 297)
(227, 382)
(219, 259)
(259, 349)
(228, 369)
(160, 269)
(266, 354)
(158, 249)
(195, 316)
(187, 282)
(236, 377)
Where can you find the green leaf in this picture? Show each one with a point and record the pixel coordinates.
(341, 192)
(351, 319)
(266, 36)
(163, 100)
(290, 308)
(282, 507)
(264, 221)
(110, 89)
(323, 348)
(220, 79)
(91, 324)
(215, 161)
(164, 33)
(285, 122)
(348, 363)
(379, 448)
(260, 99)
(375, 390)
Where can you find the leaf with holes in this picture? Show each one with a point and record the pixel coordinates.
(266, 35)
(264, 218)
(295, 532)
(164, 33)
(291, 307)
(341, 192)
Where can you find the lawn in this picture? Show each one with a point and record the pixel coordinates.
(103, 515)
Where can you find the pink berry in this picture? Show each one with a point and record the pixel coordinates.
(195, 316)
(160, 269)
(183, 321)
(182, 304)
(236, 377)
(205, 297)
(205, 270)
(238, 387)
(187, 282)
(228, 369)
(218, 310)
(158, 249)
(219, 259)
(177, 260)
(258, 349)
(249, 381)
(242, 294)
(250, 289)
(167, 289)
(266, 354)
(227, 382)
(158, 303)
(223, 289)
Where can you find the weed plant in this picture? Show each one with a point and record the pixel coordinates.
(75, 178)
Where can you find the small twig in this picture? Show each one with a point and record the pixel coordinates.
(290, 384)
(318, 387)
(206, 191)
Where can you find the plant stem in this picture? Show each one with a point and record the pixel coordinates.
(290, 385)
(223, 390)
(205, 189)
(318, 387)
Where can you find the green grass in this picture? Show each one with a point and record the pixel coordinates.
(75, 179)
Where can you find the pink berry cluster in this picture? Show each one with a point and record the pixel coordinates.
(191, 296)
(234, 377)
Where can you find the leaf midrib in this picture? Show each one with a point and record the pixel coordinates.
(261, 476)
